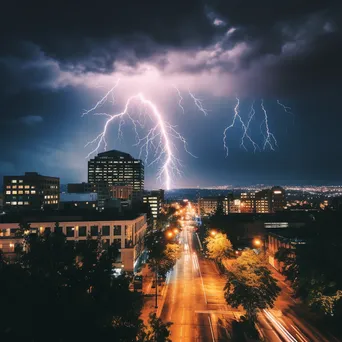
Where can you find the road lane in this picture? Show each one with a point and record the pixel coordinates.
(185, 296)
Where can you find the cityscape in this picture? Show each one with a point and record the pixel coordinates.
(170, 172)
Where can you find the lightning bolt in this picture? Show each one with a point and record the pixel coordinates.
(198, 103)
(180, 99)
(245, 128)
(287, 110)
(102, 100)
(158, 139)
(269, 136)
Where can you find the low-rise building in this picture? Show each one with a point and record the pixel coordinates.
(31, 191)
(75, 201)
(125, 231)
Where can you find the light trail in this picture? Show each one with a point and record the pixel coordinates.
(280, 328)
(158, 139)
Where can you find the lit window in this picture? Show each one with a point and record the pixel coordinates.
(21, 181)
(20, 187)
(14, 192)
(27, 192)
(8, 192)
(27, 187)
(13, 203)
(33, 192)
(20, 203)
(8, 187)
(33, 187)
(14, 181)
(26, 203)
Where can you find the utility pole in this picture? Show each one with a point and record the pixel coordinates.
(156, 304)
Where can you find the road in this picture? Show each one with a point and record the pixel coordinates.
(194, 300)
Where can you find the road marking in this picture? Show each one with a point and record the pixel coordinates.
(211, 329)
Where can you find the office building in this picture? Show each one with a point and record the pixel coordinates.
(81, 188)
(278, 199)
(155, 200)
(117, 168)
(123, 192)
(247, 204)
(125, 231)
(31, 191)
(77, 201)
(263, 201)
(210, 205)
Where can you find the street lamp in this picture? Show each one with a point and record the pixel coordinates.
(176, 230)
(169, 234)
(213, 232)
(258, 243)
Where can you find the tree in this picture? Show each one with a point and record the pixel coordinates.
(48, 279)
(250, 284)
(156, 331)
(162, 254)
(219, 246)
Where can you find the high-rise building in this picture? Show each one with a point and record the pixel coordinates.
(278, 198)
(117, 168)
(31, 191)
(123, 192)
(155, 200)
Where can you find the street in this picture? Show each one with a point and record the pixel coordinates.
(194, 301)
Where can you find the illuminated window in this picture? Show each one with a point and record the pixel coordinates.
(27, 192)
(33, 187)
(13, 203)
(26, 203)
(14, 181)
(14, 192)
(20, 186)
(21, 181)
(33, 192)
(8, 192)
(20, 203)
(8, 187)
(27, 187)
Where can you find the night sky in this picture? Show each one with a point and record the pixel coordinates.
(59, 58)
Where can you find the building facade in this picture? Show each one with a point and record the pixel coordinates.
(278, 198)
(125, 232)
(31, 191)
(123, 192)
(81, 188)
(155, 200)
(117, 168)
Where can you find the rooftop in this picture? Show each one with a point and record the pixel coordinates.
(69, 216)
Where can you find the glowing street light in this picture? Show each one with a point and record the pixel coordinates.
(257, 242)
(176, 230)
(213, 232)
(169, 234)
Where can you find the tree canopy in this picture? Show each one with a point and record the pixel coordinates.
(57, 292)
(219, 246)
(250, 284)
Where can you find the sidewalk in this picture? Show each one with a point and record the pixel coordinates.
(149, 295)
